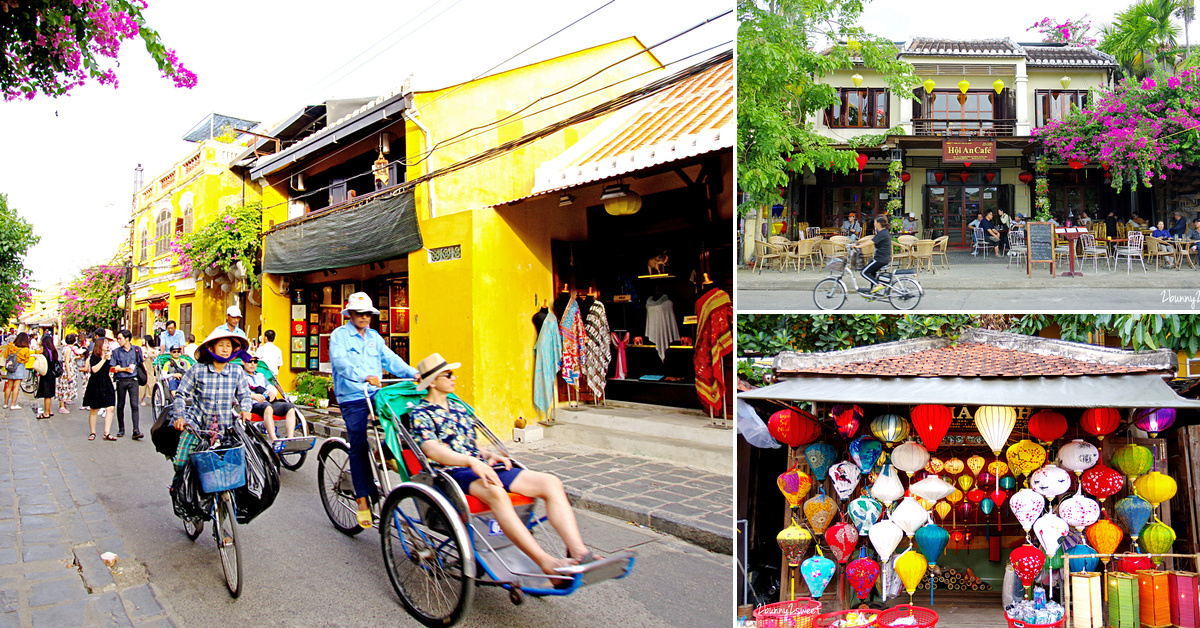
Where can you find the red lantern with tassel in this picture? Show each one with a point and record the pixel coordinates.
(1025, 177)
(1047, 426)
(794, 428)
(904, 177)
(931, 423)
(862, 161)
(938, 176)
(1100, 422)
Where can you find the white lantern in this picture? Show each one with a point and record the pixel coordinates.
(1050, 529)
(1079, 511)
(887, 487)
(1027, 507)
(845, 476)
(1050, 481)
(910, 516)
(932, 489)
(995, 423)
(885, 536)
(1078, 456)
(910, 457)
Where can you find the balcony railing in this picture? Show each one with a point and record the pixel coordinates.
(979, 128)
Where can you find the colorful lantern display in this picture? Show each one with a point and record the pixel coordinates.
(865, 452)
(1185, 607)
(931, 423)
(794, 428)
(942, 509)
(819, 510)
(846, 417)
(1078, 456)
(954, 466)
(965, 482)
(841, 537)
(1133, 513)
(931, 488)
(1027, 562)
(935, 465)
(931, 540)
(864, 512)
(1007, 482)
(1132, 460)
(976, 496)
(1051, 481)
(1105, 536)
(1157, 538)
(794, 541)
(910, 457)
(988, 505)
(820, 456)
(794, 485)
(1101, 481)
(998, 468)
(911, 567)
(845, 478)
(1154, 604)
(1100, 422)
(975, 464)
(1087, 602)
(862, 574)
(995, 423)
(1025, 456)
(817, 572)
(1027, 505)
(1154, 420)
(1078, 511)
(998, 495)
(885, 536)
(1082, 564)
(890, 429)
(909, 515)
(1050, 529)
(1047, 426)
(1155, 487)
(887, 487)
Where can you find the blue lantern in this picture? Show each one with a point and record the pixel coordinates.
(987, 505)
(864, 512)
(931, 540)
(817, 572)
(865, 451)
(820, 457)
(1134, 512)
(1082, 564)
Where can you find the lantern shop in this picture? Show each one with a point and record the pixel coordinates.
(997, 479)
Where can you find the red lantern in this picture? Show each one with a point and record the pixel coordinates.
(1101, 481)
(964, 176)
(1027, 562)
(794, 428)
(1025, 177)
(842, 538)
(1047, 426)
(957, 536)
(1185, 609)
(1100, 421)
(967, 164)
(862, 161)
(990, 176)
(964, 509)
(931, 423)
(976, 495)
(862, 574)
(967, 536)
(904, 176)
(1076, 164)
(998, 495)
(847, 418)
(938, 176)
(1132, 563)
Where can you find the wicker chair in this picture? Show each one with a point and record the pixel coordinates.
(922, 254)
(940, 246)
(763, 252)
(806, 253)
(1157, 249)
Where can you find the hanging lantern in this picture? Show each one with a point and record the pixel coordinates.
(794, 541)
(909, 515)
(887, 487)
(1132, 460)
(1132, 563)
(820, 456)
(1123, 611)
(964, 509)
(965, 482)
(847, 418)
(955, 497)
(998, 495)
(1082, 564)
(929, 85)
(942, 509)
(931, 423)
(864, 512)
(976, 496)
(1087, 607)
(1007, 482)
(911, 567)
(985, 478)
(1105, 536)
(820, 511)
(1025, 456)
(990, 176)
(1075, 164)
(1025, 177)
(998, 467)
(975, 464)
(1154, 420)
(1027, 562)
(1185, 603)
(904, 177)
(861, 160)
(1133, 513)
(910, 457)
(862, 574)
(1065, 81)
(954, 466)
(935, 465)
(1100, 422)
(957, 536)
(931, 540)
(841, 537)
(885, 536)
(987, 505)
(995, 423)
(1078, 456)
(1047, 426)
(1079, 512)
(1027, 506)
(794, 485)
(1156, 487)
(1050, 529)
(964, 175)
(845, 478)
(890, 429)
(857, 79)
(939, 175)
(794, 428)
(865, 452)
(963, 86)
(932, 488)
(925, 503)
(1101, 482)
(1051, 481)
(817, 572)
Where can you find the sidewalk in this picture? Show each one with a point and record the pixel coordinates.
(691, 504)
(52, 532)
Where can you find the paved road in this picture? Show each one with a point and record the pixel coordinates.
(301, 572)
(990, 301)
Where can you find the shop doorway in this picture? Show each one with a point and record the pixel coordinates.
(950, 208)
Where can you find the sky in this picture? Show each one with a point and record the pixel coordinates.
(67, 164)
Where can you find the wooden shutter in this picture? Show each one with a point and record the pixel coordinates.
(919, 105)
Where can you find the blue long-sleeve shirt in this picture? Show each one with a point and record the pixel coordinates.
(355, 357)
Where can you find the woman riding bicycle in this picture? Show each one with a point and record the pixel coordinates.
(882, 240)
(208, 392)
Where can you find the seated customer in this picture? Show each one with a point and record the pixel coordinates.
(266, 401)
(445, 430)
(175, 367)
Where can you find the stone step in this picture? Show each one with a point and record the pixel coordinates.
(710, 457)
(649, 421)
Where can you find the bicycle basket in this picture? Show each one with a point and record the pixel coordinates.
(856, 260)
(221, 469)
(836, 265)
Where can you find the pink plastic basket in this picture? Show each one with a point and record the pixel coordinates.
(827, 620)
(797, 613)
(1017, 623)
(926, 618)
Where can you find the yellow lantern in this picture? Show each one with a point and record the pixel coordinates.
(857, 79)
(794, 540)
(1025, 457)
(929, 85)
(911, 567)
(925, 503)
(943, 509)
(998, 468)
(965, 482)
(963, 86)
(954, 466)
(975, 464)
(1156, 487)
(995, 423)
(1065, 81)
(626, 205)
(998, 86)
(955, 497)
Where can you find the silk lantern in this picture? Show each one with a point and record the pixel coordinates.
(911, 567)
(909, 515)
(975, 464)
(935, 465)
(819, 510)
(984, 479)
(841, 537)
(964, 509)
(1100, 422)
(957, 536)
(988, 505)
(999, 496)
(931, 540)
(910, 457)
(1154, 420)
(794, 541)
(965, 482)
(1157, 538)
(864, 512)
(929, 85)
(1156, 487)
(887, 487)
(998, 468)
(942, 509)
(1027, 506)
(1105, 536)
(889, 429)
(931, 423)
(931, 488)
(954, 466)
(1133, 513)
(1007, 483)
(885, 536)
(1078, 456)
(1051, 481)
(1047, 426)
(845, 478)
(963, 86)
(998, 85)
(820, 456)
(1050, 529)
(995, 423)
(862, 574)
(1132, 460)
(976, 496)
(1025, 456)
(861, 160)
(905, 177)
(925, 503)
(955, 497)
(1025, 177)
(1082, 564)
(857, 79)
(1101, 481)
(865, 452)
(1079, 512)
(794, 428)
(1132, 563)
(794, 484)
(1027, 562)
(1185, 603)
(847, 419)
(817, 572)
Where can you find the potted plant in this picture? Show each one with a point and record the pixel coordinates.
(312, 389)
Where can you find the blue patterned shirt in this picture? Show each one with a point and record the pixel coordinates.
(211, 394)
(454, 428)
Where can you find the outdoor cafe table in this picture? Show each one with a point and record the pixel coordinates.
(1183, 250)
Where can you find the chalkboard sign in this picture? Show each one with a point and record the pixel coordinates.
(1040, 239)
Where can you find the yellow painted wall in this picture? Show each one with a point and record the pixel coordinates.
(275, 312)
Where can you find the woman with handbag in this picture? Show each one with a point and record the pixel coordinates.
(48, 382)
(15, 355)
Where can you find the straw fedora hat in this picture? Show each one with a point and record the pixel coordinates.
(430, 367)
(239, 342)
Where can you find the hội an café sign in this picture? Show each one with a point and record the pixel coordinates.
(960, 151)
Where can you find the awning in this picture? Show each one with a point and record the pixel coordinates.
(1139, 390)
(380, 229)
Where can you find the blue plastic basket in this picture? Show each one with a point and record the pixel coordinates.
(221, 469)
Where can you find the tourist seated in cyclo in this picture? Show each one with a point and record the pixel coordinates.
(444, 429)
(174, 368)
(268, 403)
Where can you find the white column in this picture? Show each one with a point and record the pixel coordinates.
(906, 110)
(1022, 80)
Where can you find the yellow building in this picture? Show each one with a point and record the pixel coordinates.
(189, 194)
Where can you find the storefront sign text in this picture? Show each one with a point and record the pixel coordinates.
(445, 253)
(959, 151)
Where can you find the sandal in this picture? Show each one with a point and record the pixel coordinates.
(92, 437)
(109, 437)
(364, 518)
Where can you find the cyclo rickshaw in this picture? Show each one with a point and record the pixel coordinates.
(438, 543)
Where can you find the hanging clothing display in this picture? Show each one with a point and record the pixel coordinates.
(547, 361)
(598, 354)
(572, 343)
(620, 341)
(714, 341)
(660, 323)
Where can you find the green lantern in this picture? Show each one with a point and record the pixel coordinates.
(1132, 460)
(1123, 611)
(1157, 538)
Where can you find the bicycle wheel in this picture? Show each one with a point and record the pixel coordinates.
(30, 384)
(192, 529)
(428, 557)
(336, 487)
(226, 532)
(830, 294)
(158, 398)
(293, 461)
(905, 294)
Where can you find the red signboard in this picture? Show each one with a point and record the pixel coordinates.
(960, 151)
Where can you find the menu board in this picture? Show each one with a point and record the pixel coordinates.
(1040, 239)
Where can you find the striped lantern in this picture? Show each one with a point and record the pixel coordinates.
(1157, 538)
(794, 428)
(1185, 603)
(1156, 487)
(890, 429)
(995, 423)
(1132, 460)
(1154, 600)
(931, 423)
(1123, 611)
(910, 458)
(1154, 420)
(1087, 610)
(1047, 426)
(1105, 536)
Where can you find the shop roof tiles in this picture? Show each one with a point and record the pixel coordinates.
(1067, 56)
(962, 47)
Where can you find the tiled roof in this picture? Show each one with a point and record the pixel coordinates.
(1067, 56)
(962, 47)
(974, 359)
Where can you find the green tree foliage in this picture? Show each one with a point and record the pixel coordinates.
(219, 245)
(1143, 36)
(16, 238)
(780, 68)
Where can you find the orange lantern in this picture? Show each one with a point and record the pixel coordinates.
(1104, 536)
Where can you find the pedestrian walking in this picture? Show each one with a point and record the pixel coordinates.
(149, 353)
(123, 363)
(270, 354)
(190, 349)
(68, 383)
(48, 383)
(100, 394)
(16, 354)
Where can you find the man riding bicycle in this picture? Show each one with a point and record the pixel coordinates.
(882, 240)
